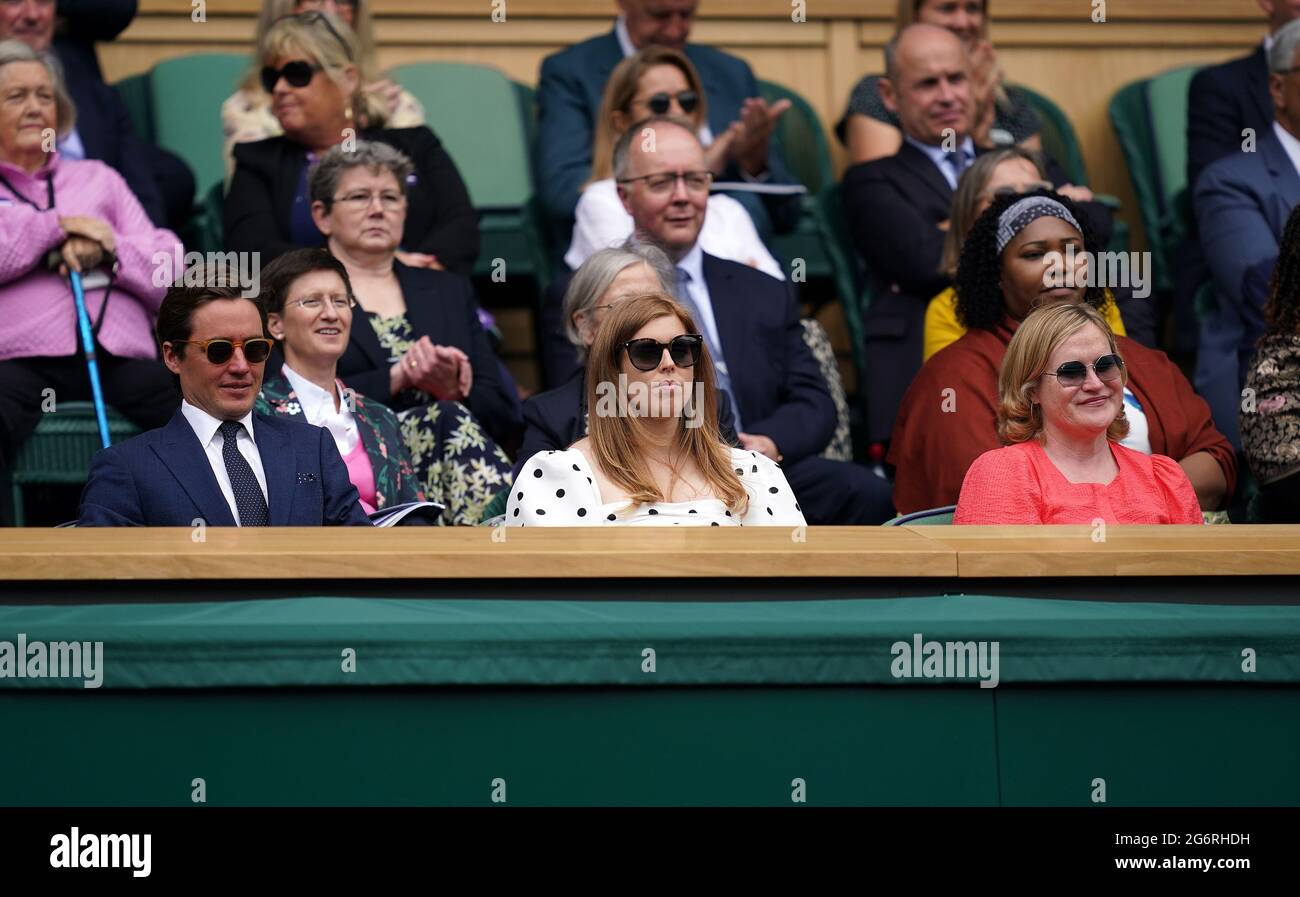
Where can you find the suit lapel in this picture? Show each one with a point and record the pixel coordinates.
(920, 165)
(187, 460)
(1257, 75)
(1286, 182)
(730, 316)
(422, 308)
(278, 465)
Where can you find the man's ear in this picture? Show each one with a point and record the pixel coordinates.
(321, 217)
(170, 359)
(887, 95)
(625, 198)
(274, 325)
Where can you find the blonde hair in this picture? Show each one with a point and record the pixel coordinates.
(616, 440)
(332, 45)
(1039, 335)
(621, 89)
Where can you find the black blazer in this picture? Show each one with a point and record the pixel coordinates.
(1222, 101)
(439, 217)
(441, 306)
(556, 419)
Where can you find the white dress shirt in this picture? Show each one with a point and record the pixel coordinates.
(318, 407)
(693, 262)
(207, 428)
(939, 156)
(600, 222)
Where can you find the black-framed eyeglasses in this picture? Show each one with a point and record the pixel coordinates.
(298, 73)
(1073, 373)
(660, 103)
(645, 354)
(664, 182)
(221, 350)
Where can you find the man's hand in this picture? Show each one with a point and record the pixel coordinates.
(757, 121)
(761, 444)
(419, 260)
(718, 152)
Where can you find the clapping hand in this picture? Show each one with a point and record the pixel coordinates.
(756, 123)
(444, 372)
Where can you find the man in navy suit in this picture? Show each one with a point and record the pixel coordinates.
(1242, 203)
(216, 461)
(750, 321)
(568, 100)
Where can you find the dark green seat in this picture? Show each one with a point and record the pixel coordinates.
(462, 103)
(928, 517)
(185, 97)
(135, 94)
(60, 449)
(807, 153)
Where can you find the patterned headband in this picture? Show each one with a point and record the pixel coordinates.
(1020, 213)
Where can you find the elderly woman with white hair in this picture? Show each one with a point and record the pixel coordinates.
(59, 216)
(311, 71)
(556, 419)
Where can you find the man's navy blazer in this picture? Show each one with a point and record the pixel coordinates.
(568, 101)
(1242, 204)
(1222, 101)
(163, 478)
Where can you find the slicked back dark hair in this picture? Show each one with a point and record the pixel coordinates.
(1283, 311)
(176, 314)
(980, 304)
(279, 276)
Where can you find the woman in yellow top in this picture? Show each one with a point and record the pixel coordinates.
(1009, 170)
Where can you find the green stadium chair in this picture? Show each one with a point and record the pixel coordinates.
(800, 135)
(494, 511)
(461, 104)
(929, 517)
(60, 449)
(848, 274)
(185, 97)
(135, 94)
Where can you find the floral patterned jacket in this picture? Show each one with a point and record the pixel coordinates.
(395, 481)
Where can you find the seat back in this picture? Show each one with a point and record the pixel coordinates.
(928, 517)
(1167, 105)
(135, 94)
(801, 138)
(1058, 136)
(185, 97)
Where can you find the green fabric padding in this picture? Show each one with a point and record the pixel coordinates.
(300, 641)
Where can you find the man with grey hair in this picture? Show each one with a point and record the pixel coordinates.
(1242, 202)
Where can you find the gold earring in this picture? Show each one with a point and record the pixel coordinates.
(348, 113)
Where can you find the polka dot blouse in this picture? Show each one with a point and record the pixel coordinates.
(559, 489)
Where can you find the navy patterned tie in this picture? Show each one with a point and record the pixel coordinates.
(249, 500)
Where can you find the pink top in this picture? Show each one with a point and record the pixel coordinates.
(1019, 484)
(362, 475)
(37, 315)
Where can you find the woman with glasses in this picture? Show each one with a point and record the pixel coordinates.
(660, 81)
(311, 72)
(310, 310)
(1009, 171)
(1061, 414)
(1011, 264)
(653, 455)
(246, 115)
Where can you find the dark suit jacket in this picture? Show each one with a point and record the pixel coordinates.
(1222, 101)
(556, 419)
(441, 306)
(1242, 204)
(894, 206)
(439, 217)
(568, 101)
(163, 478)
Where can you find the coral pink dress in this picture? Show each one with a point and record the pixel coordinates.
(1019, 484)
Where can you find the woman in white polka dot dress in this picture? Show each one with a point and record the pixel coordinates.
(652, 455)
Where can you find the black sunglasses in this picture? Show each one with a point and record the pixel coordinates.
(645, 354)
(1073, 373)
(298, 73)
(660, 103)
(220, 351)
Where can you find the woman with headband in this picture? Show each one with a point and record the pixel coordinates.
(1013, 262)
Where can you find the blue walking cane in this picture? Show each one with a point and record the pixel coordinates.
(88, 347)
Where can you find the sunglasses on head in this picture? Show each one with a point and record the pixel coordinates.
(645, 354)
(1073, 373)
(660, 103)
(220, 351)
(298, 73)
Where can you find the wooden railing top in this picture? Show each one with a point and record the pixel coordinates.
(561, 553)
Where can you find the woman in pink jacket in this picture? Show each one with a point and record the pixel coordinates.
(58, 215)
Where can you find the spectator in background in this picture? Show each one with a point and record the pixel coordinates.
(780, 400)
(556, 419)
(315, 82)
(59, 215)
(1061, 414)
(1242, 202)
(654, 455)
(1002, 115)
(161, 181)
(1270, 415)
(898, 207)
(246, 115)
(1010, 265)
(569, 93)
(659, 81)
(1003, 172)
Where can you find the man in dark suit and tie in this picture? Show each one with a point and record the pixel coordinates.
(216, 461)
(568, 99)
(750, 322)
(1242, 203)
